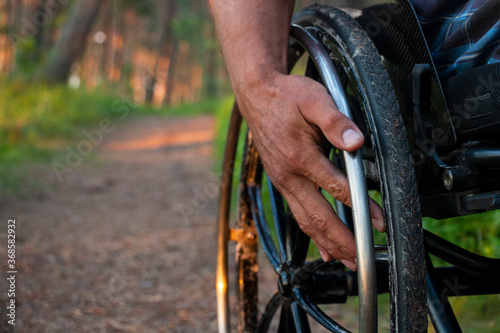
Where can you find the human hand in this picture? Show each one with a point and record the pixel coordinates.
(288, 116)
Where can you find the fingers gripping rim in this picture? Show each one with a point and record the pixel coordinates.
(343, 36)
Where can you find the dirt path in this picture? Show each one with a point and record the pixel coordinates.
(126, 243)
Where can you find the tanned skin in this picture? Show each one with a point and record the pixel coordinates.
(288, 116)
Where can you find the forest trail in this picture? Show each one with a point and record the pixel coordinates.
(126, 242)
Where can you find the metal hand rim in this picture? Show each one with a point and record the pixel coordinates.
(367, 283)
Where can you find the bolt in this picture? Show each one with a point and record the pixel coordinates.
(448, 179)
(251, 236)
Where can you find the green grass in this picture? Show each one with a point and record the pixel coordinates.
(478, 233)
(222, 116)
(211, 106)
(38, 122)
(34, 112)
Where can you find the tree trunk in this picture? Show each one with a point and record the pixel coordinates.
(5, 46)
(107, 28)
(169, 84)
(170, 45)
(39, 15)
(210, 75)
(37, 19)
(168, 10)
(72, 41)
(116, 40)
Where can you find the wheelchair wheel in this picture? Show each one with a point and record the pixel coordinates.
(305, 284)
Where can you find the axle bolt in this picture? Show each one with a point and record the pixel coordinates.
(251, 236)
(448, 179)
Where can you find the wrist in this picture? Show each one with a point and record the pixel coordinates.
(257, 76)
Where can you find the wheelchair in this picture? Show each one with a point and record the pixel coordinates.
(430, 151)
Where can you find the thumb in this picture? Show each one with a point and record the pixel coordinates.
(320, 110)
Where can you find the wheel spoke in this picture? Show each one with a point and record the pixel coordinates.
(269, 312)
(285, 325)
(278, 211)
(298, 242)
(259, 217)
(314, 311)
(300, 319)
(345, 214)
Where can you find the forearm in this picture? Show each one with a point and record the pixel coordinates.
(253, 36)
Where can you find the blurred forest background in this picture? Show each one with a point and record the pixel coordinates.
(158, 52)
(67, 64)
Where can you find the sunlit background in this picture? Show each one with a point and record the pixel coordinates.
(159, 52)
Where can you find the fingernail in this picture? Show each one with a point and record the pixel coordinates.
(325, 256)
(349, 264)
(351, 137)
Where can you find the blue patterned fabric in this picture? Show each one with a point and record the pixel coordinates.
(461, 34)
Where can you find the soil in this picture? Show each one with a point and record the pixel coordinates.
(126, 241)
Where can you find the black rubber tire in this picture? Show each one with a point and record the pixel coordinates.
(386, 137)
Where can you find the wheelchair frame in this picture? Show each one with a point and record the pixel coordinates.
(450, 169)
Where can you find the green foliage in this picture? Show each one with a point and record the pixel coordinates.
(478, 233)
(222, 116)
(142, 7)
(27, 56)
(208, 106)
(477, 314)
(33, 113)
(37, 122)
(190, 24)
(186, 26)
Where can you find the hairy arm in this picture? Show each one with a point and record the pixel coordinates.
(288, 116)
